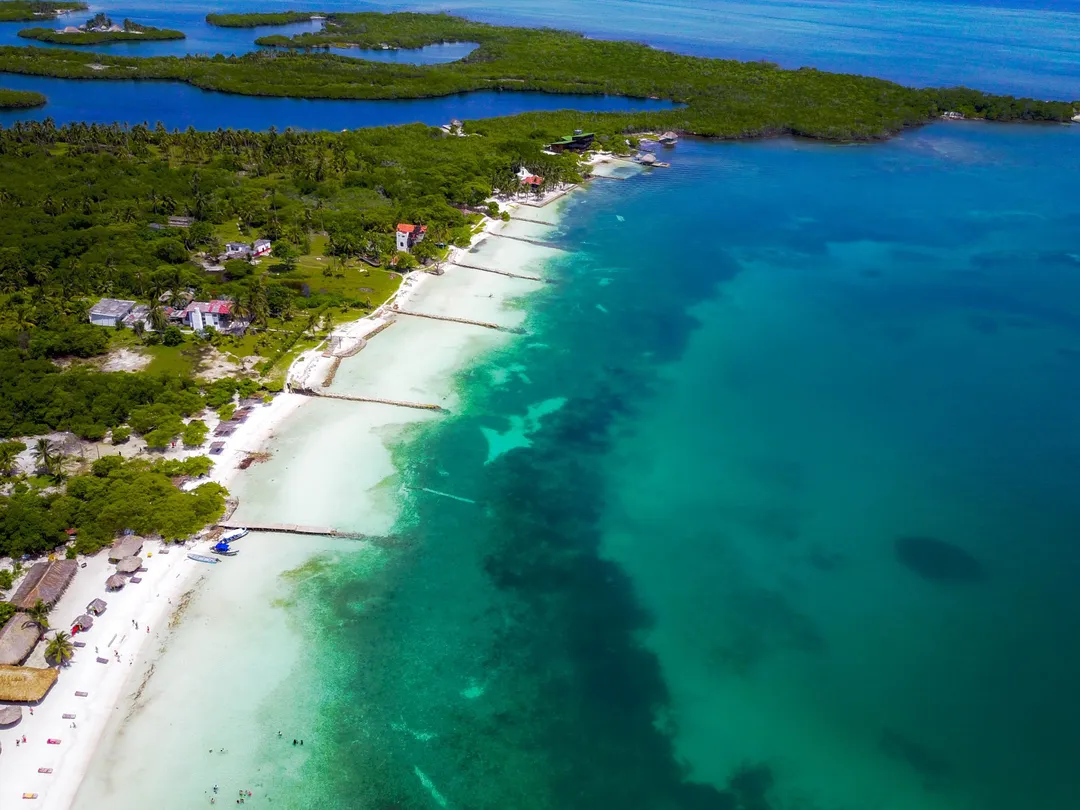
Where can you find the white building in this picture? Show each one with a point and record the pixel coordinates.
(261, 247)
(110, 311)
(409, 235)
(216, 313)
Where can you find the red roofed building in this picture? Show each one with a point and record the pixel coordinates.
(409, 235)
(216, 313)
(533, 182)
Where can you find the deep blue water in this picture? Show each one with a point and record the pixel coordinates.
(1009, 46)
(179, 105)
(203, 38)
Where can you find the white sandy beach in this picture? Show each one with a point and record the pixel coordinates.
(332, 466)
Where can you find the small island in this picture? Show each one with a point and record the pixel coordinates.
(259, 19)
(30, 10)
(100, 29)
(20, 99)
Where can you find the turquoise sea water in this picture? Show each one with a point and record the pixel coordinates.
(687, 585)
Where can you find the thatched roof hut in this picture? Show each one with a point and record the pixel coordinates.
(97, 607)
(25, 684)
(10, 715)
(115, 583)
(129, 565)
(46, 581)
(17, 640)
(127, 546)
(83, 623)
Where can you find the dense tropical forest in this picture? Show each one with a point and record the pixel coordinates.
(78, 204)
(19, 99)
(28, 10)
(113, 495)
(722, 98)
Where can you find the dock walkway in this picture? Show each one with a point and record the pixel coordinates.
(503, 272)
(469, 321)
(537, 242)
(289, 528)
(400, 403)
(533, 221)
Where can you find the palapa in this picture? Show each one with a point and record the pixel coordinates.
(10, 715)
(84, 622)
(115, 582)
(129, 565)
(97, 607)
(25, 684)
(17, 639)
(128, 546)
(46, 581)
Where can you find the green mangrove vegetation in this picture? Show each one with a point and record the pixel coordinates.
(722, 98)
(99, 30)
(256, 19)
(28, 10)
(19, 99)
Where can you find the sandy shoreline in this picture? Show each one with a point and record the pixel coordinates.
(170, 579)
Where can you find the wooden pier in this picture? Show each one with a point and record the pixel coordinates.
(537, 242)
(289, 528)
(452, 319)
(503, 272)
(318, 392)
(533, 221)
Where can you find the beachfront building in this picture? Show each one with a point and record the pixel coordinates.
(110, 311)
(533, 183)
(46, 582)
(17, 640)
(25, 684)
(578, 142)
(408, 235)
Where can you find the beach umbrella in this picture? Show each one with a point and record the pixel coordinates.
(115, 582)
(129, 565)
(10, 715)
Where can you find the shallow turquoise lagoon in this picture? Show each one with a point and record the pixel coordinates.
(791, 519)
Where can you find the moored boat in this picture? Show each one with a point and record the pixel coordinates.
(202, 558)
(233, 534)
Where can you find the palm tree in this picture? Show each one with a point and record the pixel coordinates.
(8, 454)
(39, 615)
(157, 317)
(43, 453)
(60, 648)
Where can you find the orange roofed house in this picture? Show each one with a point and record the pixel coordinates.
(409, 235)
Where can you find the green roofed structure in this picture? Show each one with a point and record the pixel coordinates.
(578, 142)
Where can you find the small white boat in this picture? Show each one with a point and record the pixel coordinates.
(203, 559)
(233, 535)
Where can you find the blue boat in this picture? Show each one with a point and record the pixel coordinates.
(222, 549)
(202, 559)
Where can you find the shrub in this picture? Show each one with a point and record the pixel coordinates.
(6, 579)
(172, 336)
(121, 434)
